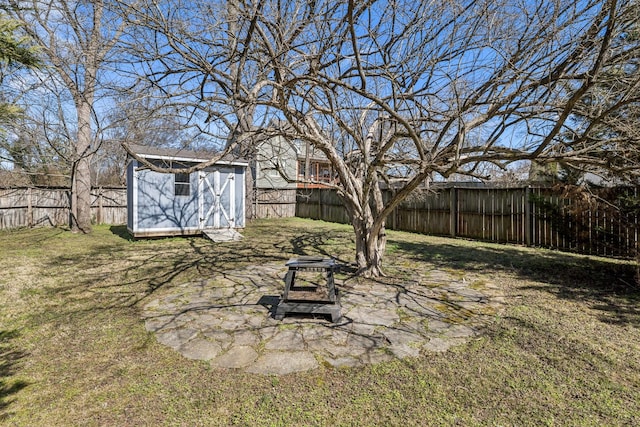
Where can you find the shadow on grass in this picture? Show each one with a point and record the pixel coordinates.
(112, 271)
(607, 285)
(311, 243)
(121, 273)
(9, 359)
(122, 232)
(112, 274)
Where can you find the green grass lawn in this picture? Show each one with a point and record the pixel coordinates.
(74, 350)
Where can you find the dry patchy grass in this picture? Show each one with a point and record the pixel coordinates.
(73, 350)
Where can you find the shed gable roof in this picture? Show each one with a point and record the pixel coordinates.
(181, 154)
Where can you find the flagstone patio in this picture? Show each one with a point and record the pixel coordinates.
(228, 320)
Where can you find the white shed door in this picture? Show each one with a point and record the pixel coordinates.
(217, 199)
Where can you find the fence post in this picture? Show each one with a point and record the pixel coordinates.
(100, 206)
(391, 221)
(29, 207)
(453, 211)
(528, 224)
(396, 211)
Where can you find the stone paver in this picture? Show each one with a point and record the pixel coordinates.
(227, 321)
(237, 357)
(200, 349)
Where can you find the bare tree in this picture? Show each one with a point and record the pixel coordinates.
(141, 117)
(164, 46)
(200, 56)
(426, 88)
(76, 39)
(391, 92)
(42, 139)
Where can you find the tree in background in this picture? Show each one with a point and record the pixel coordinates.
(198, 58)
(140, 117)
(76, 39)
(41, 142)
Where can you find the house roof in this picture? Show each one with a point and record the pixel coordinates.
(184, 155)
(313, 152)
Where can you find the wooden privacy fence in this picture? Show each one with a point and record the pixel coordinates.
(602, 224)
(28, 207)
(36, 206)
(605, 224)
(273, 203)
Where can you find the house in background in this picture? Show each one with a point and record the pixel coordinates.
(314, 169)
(166, 204)
(281, 168)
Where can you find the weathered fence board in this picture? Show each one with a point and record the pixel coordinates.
(271, 203)
(28, 207)
(535, 216)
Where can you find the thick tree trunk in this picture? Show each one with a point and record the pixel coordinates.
(81, 176)
(371, 242)
(82, 197)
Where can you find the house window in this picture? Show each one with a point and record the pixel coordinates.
(182, 184)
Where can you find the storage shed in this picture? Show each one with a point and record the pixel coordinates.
(168, 204)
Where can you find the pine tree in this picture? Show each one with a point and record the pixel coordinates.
(15, 52)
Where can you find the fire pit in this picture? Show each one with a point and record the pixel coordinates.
(309, 288)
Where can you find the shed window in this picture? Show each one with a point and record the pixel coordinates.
(182, 184)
